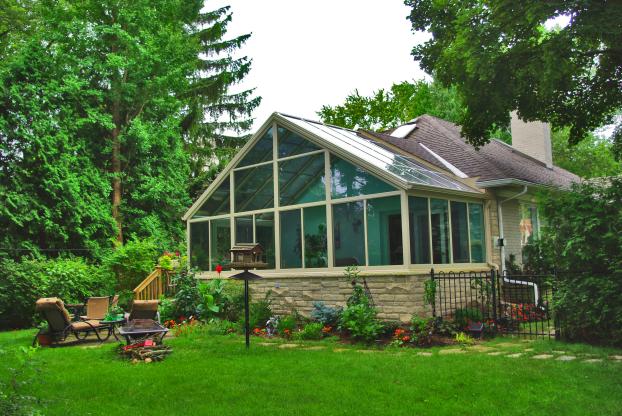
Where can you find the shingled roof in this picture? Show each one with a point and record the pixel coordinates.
(493, 162)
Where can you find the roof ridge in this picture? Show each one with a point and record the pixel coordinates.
(314, 121)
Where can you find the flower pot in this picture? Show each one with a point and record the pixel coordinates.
(44, 339)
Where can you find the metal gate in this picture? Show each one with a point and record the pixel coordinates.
(507, 304)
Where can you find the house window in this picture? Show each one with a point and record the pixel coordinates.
(529, 224)
(384, 231)
(217, 203)
(302, 180)
(349, 234)
(459, 232)
(316, 250)
(254, 188)
(419, 225)
(244, 229)
(291, 143)
(261, 152)
(476, 230)
(199, 245)
(291, 243)
(220, 236)
(349, 180)
(264, 235)
(439, 215)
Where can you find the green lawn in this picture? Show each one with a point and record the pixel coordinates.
(208, 375)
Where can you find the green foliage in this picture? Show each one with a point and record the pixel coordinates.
(310, 331)
(463, 316)
(132, 262)
(220, 327)
(464, 339)
(287, 322)
(166, 308)
(582, 241)
(361, 322)
(429, 292)
(445, 328)
(187, 296)
(260, 312)
(326, 315)
(387, 109)
(221, 298)
(500, 58)
(22, 283)
(592, 157)
(22, 372)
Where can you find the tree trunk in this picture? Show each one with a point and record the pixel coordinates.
(116, 171)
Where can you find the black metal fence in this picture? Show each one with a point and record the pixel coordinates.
(508, 304)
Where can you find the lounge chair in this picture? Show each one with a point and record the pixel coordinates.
(96, 308)
(144, 309)
(59, 322)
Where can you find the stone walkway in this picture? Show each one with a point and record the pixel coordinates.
(503, 349)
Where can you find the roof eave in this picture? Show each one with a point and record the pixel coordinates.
(496, 183)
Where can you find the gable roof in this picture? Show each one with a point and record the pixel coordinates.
(491, 164)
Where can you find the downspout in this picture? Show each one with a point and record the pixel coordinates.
(502, 238)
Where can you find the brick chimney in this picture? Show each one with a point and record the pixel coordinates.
(532, 138)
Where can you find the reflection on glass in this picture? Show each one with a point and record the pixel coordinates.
(384, 231)
(349, 180)
(244, 229)
(217, 203)
(459, 232)
(419, 230)
(261, 152)
(349, 234)
(264, 228)
(291, 143)
(315, 236)
(476, 226)
(199, 245)
(221, 242)
(440, 230)
(302, 180)
(254, 188)
(528, 224)
(291, 244)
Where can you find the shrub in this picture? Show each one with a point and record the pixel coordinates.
(445, 328)
(220, 327)
(463, 316)
(286, 323)
(260, 311)
(166, 309)
(187, 296)
(22, 283)
(218, 301)
(132, 262)
(326, 315)
(311, 331)
(360, 320)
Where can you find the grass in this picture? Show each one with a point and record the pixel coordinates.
(215, 375)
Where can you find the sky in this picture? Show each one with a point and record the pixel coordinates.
(309, 54)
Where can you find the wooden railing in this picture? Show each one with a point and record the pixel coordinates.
(155, 285)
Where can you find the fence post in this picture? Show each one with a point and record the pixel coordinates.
(551, 308)
(493, 283)
(433, 300)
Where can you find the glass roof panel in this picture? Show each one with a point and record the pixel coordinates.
(403, 168)
(261, 152)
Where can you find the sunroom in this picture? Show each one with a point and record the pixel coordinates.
(319, 198)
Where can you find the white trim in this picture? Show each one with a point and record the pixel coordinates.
(445, 163)
(405, 228)
(365, 232)
(302, 237)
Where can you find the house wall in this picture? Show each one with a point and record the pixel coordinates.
(511, 229)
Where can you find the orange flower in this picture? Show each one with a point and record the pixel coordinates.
(406, 338)
(327, 329)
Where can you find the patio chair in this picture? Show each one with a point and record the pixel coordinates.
(59, 322)
(96, 308)
(144, 309)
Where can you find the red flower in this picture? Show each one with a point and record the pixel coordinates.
(218, 268)
(177, 253)
(406, 338)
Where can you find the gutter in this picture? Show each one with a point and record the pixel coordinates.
(502, 238)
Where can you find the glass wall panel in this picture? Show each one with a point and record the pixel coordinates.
(264, 230)
(459, 232)
(349, 234)
(384, 231)
(315, 236)
(291, 143)
(302, 180)
(261, 152)
(199, 245)
(476, 228)
(291, 243)
(440, 230)
(254, 188)
(419, 230)
(244, 229)
(529, 226)
(221, 242)
(349, 180)
(217, 203)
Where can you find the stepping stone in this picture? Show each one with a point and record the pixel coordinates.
(615, 357)
(266, 344)
(507, 344)
(593, 360)
(340, 349)
(566, 358)
(518, 354)
(367, 351)
(542, 357)
(314, 348)
(424, 354)
(289, 346)
(452, 351)
(528, 349)
(481, 348)
(558, 352)
(496, 353)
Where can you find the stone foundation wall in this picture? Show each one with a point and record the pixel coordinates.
(396, 297)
